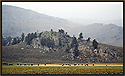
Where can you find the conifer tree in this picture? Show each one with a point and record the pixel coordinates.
(22, 39)
(95, 44)
(80, 36)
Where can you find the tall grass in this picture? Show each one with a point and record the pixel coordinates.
(62, 70)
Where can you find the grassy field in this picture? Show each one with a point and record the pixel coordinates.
(59, 69)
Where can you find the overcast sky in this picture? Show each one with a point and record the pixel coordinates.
(103, 11)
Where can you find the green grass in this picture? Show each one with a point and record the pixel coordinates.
(62, 70)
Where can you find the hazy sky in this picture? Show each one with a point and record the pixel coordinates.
(103, 11)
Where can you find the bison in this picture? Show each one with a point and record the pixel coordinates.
(75, 64)
(86, 64)
(62, 64)
(10, 64)
(5, 63)
(31, 64)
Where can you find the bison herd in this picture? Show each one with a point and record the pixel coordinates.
(76, 64)
(46, 64)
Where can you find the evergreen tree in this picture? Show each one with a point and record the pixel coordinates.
(76, 51)
(60, 44)
(47, 42)
(8, 39)
(22, 39)
(30, 37)
(88, 39)
(95, 44)
(14, 41)
(61, 31)
(40, 34)
(4, 41)
(51, 30)
(75, 44)
(18, 40)
(80, 36)
(66, 32)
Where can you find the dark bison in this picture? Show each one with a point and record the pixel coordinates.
(10, 64)
(75, 64)
(62, 64)
(69, 64)
(31, 64)
(86, 64)
(5, 63)
(17, 64)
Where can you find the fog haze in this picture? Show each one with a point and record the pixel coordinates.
(79, 12)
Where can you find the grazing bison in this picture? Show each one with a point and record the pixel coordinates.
(17, 64)
(5, 63)
(86, 64)
(75, 64)
(45, 64)
(10, 64)
(24, 64)
(38, 64)
(67, 64)
(81, 64)
(93, 64)
(62, 64)
(20, 64)
(31, 64)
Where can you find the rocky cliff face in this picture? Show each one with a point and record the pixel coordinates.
(87, 53)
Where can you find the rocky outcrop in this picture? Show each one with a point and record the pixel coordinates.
(87, 53)
(51, 41)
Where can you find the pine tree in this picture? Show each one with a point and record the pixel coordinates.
(22, 39)
(95, 44)
(88, 39)
(80, 36)
(75, 44)
(60, 44)
(14, 41)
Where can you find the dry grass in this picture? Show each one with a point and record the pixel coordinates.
(59, 69)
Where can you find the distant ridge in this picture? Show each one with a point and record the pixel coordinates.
(16, 20)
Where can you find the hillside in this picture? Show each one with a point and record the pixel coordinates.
(59, 47)
(108, 34)
(16, 20)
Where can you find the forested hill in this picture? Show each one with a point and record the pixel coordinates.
(58, 47)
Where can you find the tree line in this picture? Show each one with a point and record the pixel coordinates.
(46, 41)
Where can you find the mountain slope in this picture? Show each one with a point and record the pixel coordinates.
(108, 34)
(16, 20)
